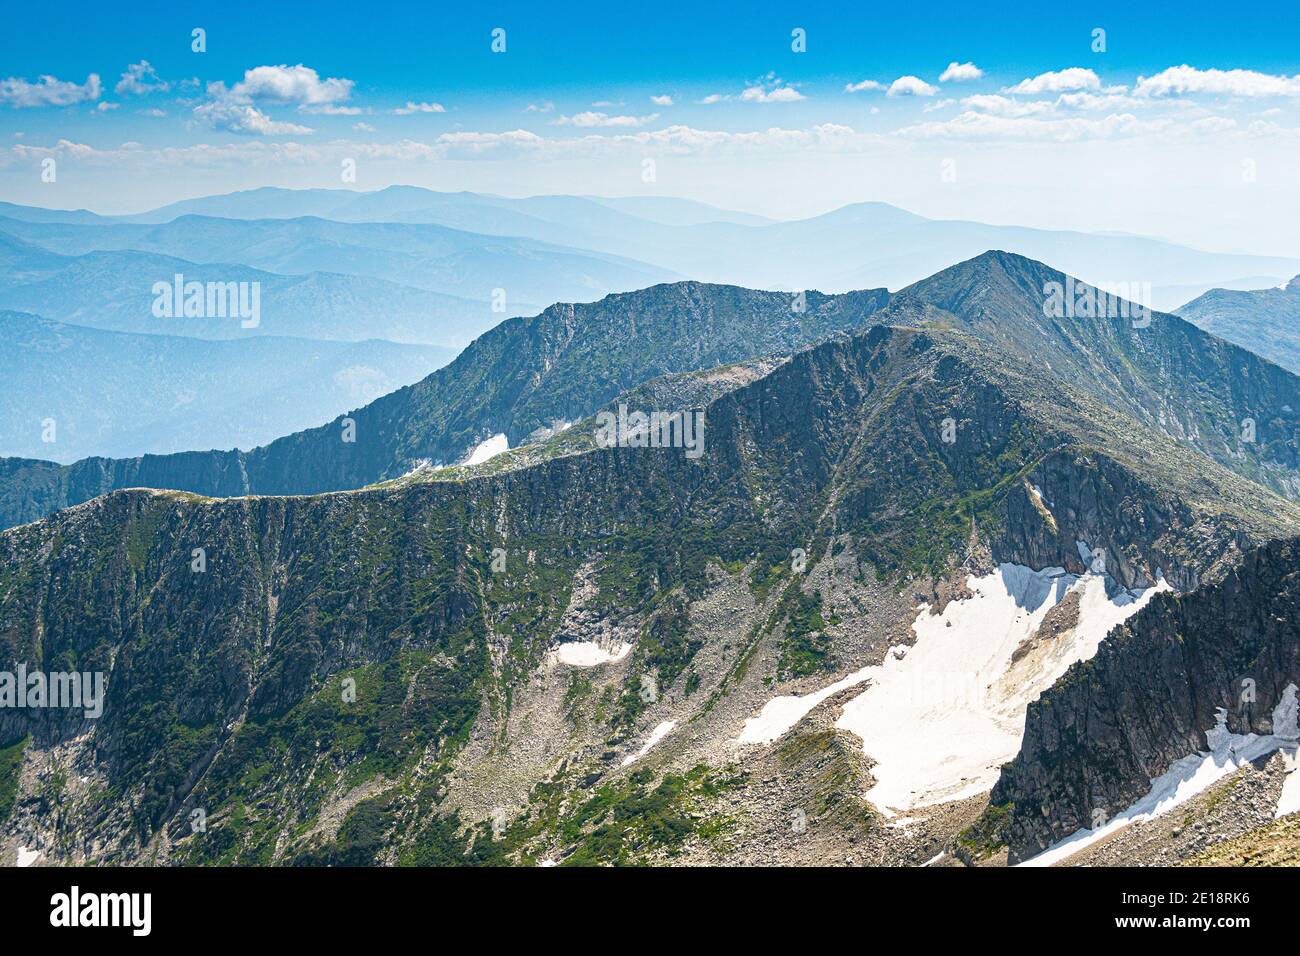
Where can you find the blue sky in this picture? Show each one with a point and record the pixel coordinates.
(583, 95)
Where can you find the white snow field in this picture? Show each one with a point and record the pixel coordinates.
(589, 653)
(1193, 774)
(940, 721)
(488, 448)
(1288, 801)
(781, 713)
(939, 718)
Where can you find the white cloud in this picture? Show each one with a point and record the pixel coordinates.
(937, 105)
(245, 119)
(778, 94)
(911, 86)
(411, 107)
(592, 119)
(155, 112)
(972, 125)
(960, 73)
(1005, 106)
(139, 80)
(331, 109)
(232, 110)
(1213, 124)
(864, 85)
(104, 106)
(1104, 101)
(47, 91)
(770, 89)
(662, 100)
(546, 107)
(1060, 81)
(290, 84)
(467, 143)
(1188, 79)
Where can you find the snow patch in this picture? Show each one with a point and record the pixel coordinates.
(1193, 774)
(1289, 801)
(940, 721)
(488, 448)
(781, 713)
(656, 735)
(27, 857)
(421, 465)
(589, 653)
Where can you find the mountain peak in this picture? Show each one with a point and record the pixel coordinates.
(987, 281)
(1293, 285)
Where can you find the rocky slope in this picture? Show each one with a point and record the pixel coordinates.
(357, 678)
(1169, 375)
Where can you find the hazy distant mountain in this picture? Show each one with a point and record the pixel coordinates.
(632, 227)
(11, 210)
(114, 291)
(432, 257)
(677, 212)
(634, 241)
(407, 203)
(872, 244)
(1266, 321)
(864, 245)
(1185, 293)
(110, 393)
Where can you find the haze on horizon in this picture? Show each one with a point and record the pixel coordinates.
(1037, 119)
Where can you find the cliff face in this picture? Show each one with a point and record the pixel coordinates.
(522, 375)
(1112, 724)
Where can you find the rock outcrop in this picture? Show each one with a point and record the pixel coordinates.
(1112, 724)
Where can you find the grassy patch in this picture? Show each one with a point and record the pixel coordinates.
(11, 761)
(987, 835)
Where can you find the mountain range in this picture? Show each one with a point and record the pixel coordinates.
(71, 392)
(424, 256)
(561, 365)
(114, 291)
(412, 266)
(647, 239)
(823, 639)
